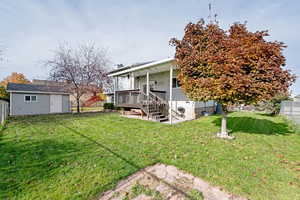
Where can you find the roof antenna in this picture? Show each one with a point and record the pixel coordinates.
(209, 16)
(215, 18)
(212, 19)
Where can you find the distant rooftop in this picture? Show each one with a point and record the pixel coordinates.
(47, 82)
(35, 88)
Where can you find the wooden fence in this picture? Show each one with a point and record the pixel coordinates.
(3, 111)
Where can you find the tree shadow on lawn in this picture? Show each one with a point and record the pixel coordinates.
(63, 116)
(25, 162)
(265, 114)
(255, 126)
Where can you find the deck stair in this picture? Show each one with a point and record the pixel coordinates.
(158, 116)
(155, 107)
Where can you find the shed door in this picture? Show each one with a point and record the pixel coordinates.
(55, 103)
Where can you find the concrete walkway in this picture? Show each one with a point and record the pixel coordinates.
(166, 182)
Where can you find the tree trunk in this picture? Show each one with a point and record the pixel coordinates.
(224, 132)
(78, 105)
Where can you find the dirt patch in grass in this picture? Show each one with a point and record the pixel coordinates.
(161, 182)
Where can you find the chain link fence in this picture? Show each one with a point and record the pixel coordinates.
(291, 109)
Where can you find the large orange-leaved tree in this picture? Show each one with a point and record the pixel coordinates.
(236, 66)
(13, 78)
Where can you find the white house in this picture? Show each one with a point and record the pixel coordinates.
(154, 89)
(297, 98)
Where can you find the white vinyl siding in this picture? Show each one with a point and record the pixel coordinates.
(41, 106)
(21, 107)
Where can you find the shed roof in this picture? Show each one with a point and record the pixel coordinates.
(17, 87)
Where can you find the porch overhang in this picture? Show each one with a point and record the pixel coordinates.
(154, 66)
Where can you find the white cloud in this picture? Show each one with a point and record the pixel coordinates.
(132, 30)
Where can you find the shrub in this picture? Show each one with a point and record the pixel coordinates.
(108, 106)
(4, 95)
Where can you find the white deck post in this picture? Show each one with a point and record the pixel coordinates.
(132, 81)
(115, 89)
(147, 91)
(148, 88)
(171, 94)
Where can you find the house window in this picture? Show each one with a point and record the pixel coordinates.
(175, 83)
(33, 98)
(27, 98)
(30, 98)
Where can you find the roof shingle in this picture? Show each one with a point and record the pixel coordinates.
(35, 88)
(130, 66)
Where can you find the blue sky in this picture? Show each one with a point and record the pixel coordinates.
(131, 30)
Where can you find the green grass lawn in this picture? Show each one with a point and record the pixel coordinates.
(81, 156)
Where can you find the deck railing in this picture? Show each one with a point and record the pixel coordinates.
(128, 98)
(135, 98)
(159, 103)
(160, 94)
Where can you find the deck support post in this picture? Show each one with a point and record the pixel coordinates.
(171, 95)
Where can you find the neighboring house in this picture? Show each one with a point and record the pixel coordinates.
(297, 98)
(155, 90)
(47, 82)
(31, 99)
(291, 109)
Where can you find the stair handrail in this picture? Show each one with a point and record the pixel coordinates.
(158, 97)
(152, 98)
(167, 105)
(164, 105)
(142, 108)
